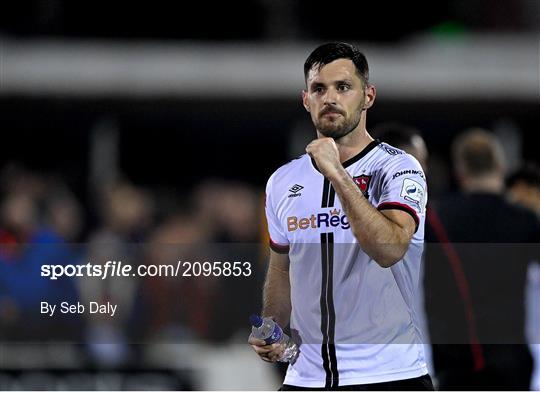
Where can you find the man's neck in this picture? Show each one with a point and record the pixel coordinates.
(347, 152)
(352, 144)
(488, 184)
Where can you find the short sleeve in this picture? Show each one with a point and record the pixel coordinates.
(404, 187)
(278, 241)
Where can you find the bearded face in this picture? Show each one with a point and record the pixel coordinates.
(335, 98)
(335, 123)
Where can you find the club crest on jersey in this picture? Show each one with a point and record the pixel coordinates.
(362, 182)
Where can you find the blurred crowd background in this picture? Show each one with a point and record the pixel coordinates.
(156, 123)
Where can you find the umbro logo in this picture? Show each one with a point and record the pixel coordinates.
(295, 190)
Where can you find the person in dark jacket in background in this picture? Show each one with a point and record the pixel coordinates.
(475, 276)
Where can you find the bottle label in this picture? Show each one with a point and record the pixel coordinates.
(275, 336)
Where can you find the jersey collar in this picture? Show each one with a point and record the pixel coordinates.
(355, 158)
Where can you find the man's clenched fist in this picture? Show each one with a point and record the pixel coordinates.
(326, 155)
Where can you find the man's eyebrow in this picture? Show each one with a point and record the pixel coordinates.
(316, 84)
(346, 80)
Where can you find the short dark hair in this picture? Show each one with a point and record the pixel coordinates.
(395, 134)
(477, 152)
(329, 52)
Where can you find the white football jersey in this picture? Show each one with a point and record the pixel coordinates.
(355, 321)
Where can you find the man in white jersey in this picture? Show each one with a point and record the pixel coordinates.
(346, 223)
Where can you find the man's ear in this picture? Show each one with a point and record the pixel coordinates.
(370, 94)
(304, 100)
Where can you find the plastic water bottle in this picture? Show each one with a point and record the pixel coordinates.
(268, 330)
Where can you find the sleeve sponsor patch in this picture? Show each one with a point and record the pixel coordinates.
(413, 192)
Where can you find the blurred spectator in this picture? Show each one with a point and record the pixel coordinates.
(16, 179)
(228, 210)
(477, 320)
(222, 225)
(54, 205)
(126, 215)
(523, 187)
(19, 215)
(126, 212)
(410, 139)
(239, 222)
(28, 242)
(405, 138)
(176, 309)
(64, 213)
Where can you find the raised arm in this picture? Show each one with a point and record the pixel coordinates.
(383, 235)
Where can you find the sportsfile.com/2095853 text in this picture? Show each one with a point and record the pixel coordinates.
(120, 269)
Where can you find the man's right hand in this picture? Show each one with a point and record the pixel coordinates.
(269, 353)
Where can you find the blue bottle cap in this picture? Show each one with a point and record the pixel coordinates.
(256, 320)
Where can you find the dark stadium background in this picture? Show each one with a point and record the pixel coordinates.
(170, 144)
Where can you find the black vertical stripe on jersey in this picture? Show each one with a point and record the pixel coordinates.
(328, 315)
(331, 310)
(324, 309)
(331, 196)
(326, 364)
(325, 192)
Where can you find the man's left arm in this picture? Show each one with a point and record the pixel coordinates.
(384, 235)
